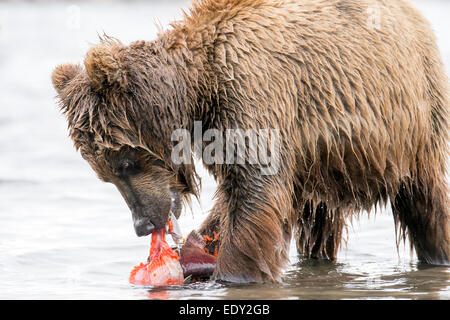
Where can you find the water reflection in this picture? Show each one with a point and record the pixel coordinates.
(328, 280)
(318, 279)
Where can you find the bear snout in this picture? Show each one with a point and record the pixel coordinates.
(143, 226)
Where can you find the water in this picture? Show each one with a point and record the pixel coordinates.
(66, 235)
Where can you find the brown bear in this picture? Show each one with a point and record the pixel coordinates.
(355, 88)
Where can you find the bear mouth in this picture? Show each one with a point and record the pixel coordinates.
(175, 211)
(175, 205)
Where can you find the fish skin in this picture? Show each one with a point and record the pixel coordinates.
(165, 267)
(194, 261)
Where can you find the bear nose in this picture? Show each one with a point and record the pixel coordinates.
(143, 227)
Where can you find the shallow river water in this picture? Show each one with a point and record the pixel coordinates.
(66, 235)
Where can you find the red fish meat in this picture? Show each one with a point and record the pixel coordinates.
(163, 266)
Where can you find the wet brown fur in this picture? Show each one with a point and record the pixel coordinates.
(362, 112)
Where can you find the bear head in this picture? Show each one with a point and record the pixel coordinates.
(122, 108)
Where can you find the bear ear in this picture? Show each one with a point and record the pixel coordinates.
(104, 65)
(63, 74)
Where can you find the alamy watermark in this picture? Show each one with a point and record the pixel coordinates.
(258, 147)
(73, 21)
(373, 17)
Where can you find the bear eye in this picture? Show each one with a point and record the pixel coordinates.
(127, 167)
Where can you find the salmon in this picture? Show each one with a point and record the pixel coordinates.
(163, 267)
(195, 260)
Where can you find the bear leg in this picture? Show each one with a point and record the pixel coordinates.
(319, 233)
(210, 230)
(255, 229)
(210, 226)
(421, 211)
